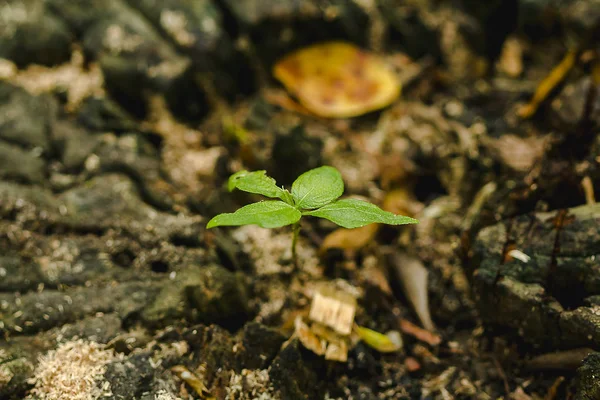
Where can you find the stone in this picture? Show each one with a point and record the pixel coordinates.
(196, 29)
(31, 35)
(534, 273)
(588, 378)
(21, 166)
(277, 26)
(24, 118)
(207, 295)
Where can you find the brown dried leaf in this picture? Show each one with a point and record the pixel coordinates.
(309, 339)
(403, 202)
(350, 239)
(337, 351)
(337, 79)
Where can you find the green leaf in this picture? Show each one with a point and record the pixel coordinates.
(266, 214)
(317, 187)
(352, 213)
(380, 342)
(257, 182)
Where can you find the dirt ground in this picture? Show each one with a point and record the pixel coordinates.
(121, 121)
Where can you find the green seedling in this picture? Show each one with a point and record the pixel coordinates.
(315, 193)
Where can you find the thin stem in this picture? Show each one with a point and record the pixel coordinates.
(295, 232)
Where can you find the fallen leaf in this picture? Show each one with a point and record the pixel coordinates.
(337, 79)
(337, 351)
(380, 342)
(413, 275)
(422, 334)
(350, 239)
(403, 202)
(308, 338)
(281, 99)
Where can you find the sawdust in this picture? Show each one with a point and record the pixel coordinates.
(72, 371)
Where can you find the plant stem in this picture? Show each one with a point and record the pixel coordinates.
(295, 233)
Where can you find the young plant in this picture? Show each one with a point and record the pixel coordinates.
(315, 193)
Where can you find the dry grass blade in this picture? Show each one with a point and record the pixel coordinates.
(554, 78)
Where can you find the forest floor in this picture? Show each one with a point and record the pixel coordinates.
(121, 121)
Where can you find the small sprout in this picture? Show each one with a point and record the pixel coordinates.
(315, 193)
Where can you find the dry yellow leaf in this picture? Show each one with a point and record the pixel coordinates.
(337, 79)
(350, 239)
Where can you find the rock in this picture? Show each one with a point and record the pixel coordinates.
(129, 377)
(587, 382)
(24, 118)
(18, 274)
(134, 58)
(208, 295)
(20, 165)
(196, 29)
(534, 273)
(101, 114)
(33, 312)
(15, 369)
(82, 14)
(132, 154)
(30, 35)
(108, 204)
(277, 27)
(100, 329)
(73, 144)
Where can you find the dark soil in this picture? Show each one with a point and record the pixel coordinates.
(120, 122)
